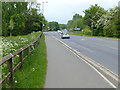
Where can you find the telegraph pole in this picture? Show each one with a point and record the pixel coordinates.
(43, 7)
(92, 29)
(119, 4)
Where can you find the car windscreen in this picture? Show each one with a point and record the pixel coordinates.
(65, 32)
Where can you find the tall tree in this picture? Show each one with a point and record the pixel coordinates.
(53, 26)
(20, 18)
(112, 23)
(63, 26)
(76, 22)
(92, 15)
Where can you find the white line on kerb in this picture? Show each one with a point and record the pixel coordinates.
(111, 84)
(96, 71)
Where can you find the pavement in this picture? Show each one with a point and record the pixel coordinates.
(66, 70)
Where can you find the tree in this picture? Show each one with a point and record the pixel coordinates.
(20, 18)
(19, 24)
(70, 25)
(76, 22)
(53, 26)
(9, 10)
(11, 26)
(63, 26)
(112, 23)
(92, 15)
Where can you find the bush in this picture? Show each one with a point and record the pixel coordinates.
(107, 31)
(87, 31)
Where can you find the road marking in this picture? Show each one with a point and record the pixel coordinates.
(74, 51)
(115, 76)
(82, 39)
(96, 70)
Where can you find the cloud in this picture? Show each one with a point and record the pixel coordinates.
(62, 10)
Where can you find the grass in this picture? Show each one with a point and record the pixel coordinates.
(34, 69)
(81, 34)
(34, 65)
(11, 44)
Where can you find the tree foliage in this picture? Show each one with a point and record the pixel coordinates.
(20, 18)
(76, 22)
(105, 22)
(53, 26)
(63, 26)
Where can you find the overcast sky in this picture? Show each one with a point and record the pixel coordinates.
(63, 10)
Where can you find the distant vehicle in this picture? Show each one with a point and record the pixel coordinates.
(65, 34)
(59, 31)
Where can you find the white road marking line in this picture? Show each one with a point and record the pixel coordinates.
(95, 70)
(109, 72)
(110, 83)
(82, 39)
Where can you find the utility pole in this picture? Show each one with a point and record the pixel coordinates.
(92, 29)
(43, 12)
(119, 4)
(43, 7)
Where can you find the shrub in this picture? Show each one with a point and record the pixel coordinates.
(87, 31)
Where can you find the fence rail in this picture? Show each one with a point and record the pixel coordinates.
(9, 59)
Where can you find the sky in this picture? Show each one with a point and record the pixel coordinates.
(63, 10)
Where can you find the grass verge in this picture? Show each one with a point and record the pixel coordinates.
(34, 68)
(11, 44)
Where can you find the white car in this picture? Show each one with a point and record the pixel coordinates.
(59, 31)
(65, 34)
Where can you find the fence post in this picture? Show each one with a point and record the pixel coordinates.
(35, 44)
(10, 67)
(21, 58)
(27, 51)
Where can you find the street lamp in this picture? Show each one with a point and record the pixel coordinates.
(92, 29)
(92, 25)
(119, 4)
(38, 7)
(43, 7)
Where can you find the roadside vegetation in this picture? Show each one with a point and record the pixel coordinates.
(11, 44)
(96, 22)
(33, 73)
(22, 23)
(21, 18)
(34, 68)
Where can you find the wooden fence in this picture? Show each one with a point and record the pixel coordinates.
(9, 59)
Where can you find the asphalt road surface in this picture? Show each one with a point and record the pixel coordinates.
(104, 51)
(66, 70)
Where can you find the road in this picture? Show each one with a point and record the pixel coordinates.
(66, 70)
(104, 51)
